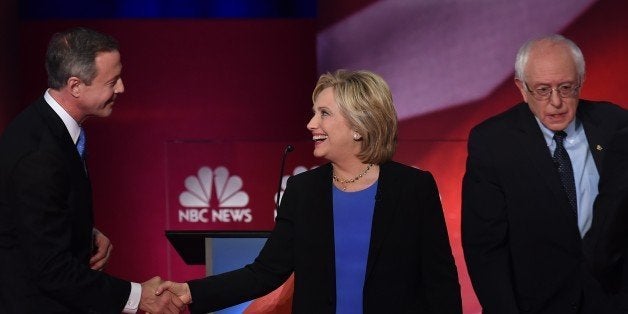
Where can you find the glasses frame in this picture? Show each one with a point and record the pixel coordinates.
(572, 92)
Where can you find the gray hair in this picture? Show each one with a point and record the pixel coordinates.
(73, 53)
(524, 53)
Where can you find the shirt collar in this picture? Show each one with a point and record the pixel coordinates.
(548, 134)
(73, 127)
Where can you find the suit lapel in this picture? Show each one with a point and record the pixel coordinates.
(598, 135)
(530, 137)
(321, 219)
(60, 132)
(386, 200)
(596, 131)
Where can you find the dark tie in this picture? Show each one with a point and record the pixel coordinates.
(561, 159)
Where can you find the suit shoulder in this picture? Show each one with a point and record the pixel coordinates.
(502, 120)
(602, 108)
(604, 113)
(502, 124)
(26, 125)
(404, 171)
(24, 120)
(26, 134)
(601, 105)
(312, 174)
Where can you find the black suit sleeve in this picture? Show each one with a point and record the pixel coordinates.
(42, 190)
(485, 230)
(270, 269)
(440, 278)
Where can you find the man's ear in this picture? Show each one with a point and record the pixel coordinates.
(75, 86)
(522, 89)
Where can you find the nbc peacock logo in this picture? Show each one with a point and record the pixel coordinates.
(216, 192)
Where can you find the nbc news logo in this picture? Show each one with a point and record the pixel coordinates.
(217, 192)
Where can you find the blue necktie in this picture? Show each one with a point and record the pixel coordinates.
(81, 144)
(561, 159)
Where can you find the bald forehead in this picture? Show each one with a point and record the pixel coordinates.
(547, 46)
(547, 56)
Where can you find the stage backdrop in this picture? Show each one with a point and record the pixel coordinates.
(239, 83)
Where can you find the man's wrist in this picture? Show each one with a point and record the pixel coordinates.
(133, 303)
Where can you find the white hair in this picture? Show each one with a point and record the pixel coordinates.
(524, 53)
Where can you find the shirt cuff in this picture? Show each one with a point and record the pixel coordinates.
(133, 303)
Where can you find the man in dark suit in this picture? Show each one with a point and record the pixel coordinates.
(47, 237)
(529, 187)
(607, 241)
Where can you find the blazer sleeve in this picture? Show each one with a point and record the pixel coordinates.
(271, 268)
(484, 230)
(440, 277)
(41, 191)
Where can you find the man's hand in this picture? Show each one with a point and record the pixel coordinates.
(181, 290)
(162, 303)
(102, 247)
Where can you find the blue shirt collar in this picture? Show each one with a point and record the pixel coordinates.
(572, 127)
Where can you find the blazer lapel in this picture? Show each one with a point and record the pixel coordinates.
(530, 137)
(386, 200)
(60, 132)
(598, 135)
(322, 219)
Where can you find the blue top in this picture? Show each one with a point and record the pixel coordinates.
(353, 215)
(586, 176)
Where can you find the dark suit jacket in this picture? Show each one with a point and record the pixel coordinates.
(607, 241)
(521, 241)
(410, 268)
(46, 223)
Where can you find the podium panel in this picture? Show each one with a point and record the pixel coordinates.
(219, 251)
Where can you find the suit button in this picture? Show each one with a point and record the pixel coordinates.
(574, 306)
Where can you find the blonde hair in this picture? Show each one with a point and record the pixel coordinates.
(365, 101)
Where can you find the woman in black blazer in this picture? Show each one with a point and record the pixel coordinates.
(362, 233)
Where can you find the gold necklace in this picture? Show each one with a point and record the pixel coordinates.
(344, 182)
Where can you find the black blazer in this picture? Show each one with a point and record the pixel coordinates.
(46, 223)
(607, 241)
(521, 241)
(410, 268)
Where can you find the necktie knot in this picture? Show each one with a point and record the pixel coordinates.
(559, 137)
(81, 144)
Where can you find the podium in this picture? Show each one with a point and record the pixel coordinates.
(217, 248)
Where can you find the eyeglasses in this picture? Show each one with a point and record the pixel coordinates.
(565, 90)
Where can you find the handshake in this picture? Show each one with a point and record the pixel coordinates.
(159, 296)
